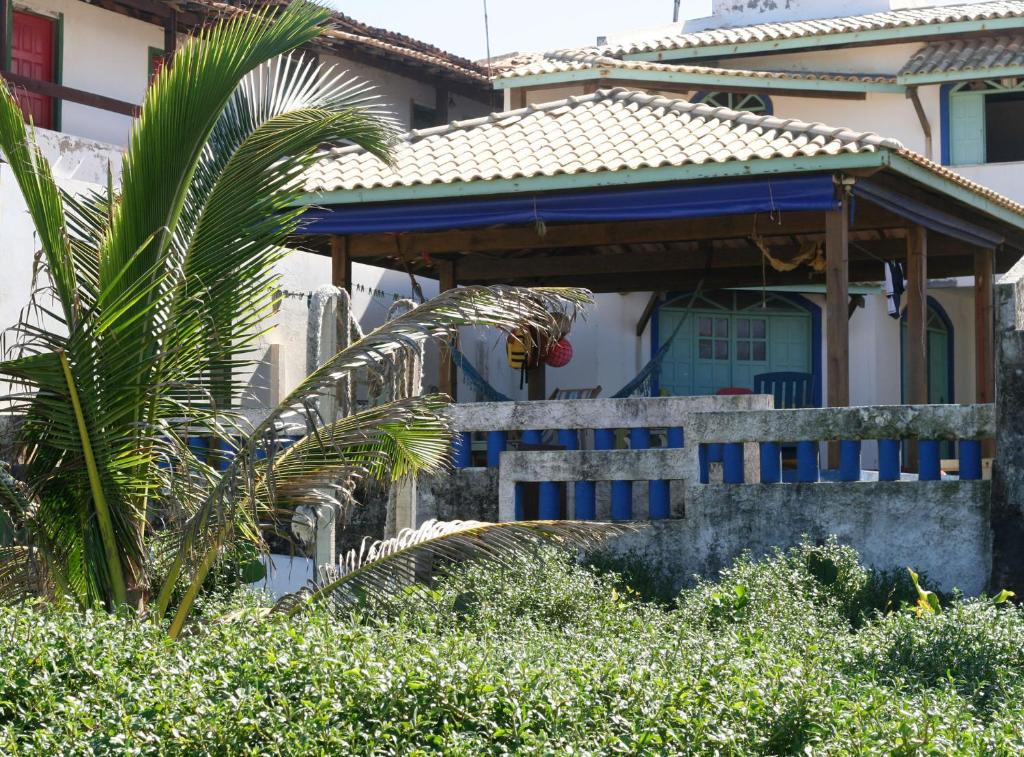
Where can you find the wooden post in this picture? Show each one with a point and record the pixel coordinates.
(837, 280)
(917, 320)
(341, 264)
(5, 34)
(447, 379)
(441, 105)
(984, 338)
(170, 36)
(983, 325)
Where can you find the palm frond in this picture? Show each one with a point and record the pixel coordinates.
(383, 568)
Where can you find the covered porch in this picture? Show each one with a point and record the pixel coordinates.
(696, 207)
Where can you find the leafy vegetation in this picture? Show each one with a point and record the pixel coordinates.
(803, 652)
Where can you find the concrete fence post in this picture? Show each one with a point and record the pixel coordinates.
(1008, 471)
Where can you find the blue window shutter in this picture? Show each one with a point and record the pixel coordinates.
(967, 127)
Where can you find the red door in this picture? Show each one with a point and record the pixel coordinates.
(32, 56)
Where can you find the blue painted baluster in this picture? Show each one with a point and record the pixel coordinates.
(888, 460)
(530, 437)
(849, 460)
(462, 450)
(224, 455)
(807, 462)
(929, 468)
(715, 452)
(732, 464)
(497, 442)
(200, 446)
(676, 438)
(771, 463)
(604, 438)
(970, 460)
(704, 463)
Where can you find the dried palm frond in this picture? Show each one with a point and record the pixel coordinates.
(383, 568)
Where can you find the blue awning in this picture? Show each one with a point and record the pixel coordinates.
(690, 200)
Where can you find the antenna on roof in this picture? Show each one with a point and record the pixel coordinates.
(675, 10)
(487, 40)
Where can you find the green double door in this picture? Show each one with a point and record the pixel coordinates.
(938, 357)
(724, 345)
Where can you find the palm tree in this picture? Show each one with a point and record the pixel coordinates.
(157, 295)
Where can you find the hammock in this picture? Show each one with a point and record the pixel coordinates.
(638, 387)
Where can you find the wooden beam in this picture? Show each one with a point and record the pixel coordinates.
(341, 264)
(837, 282)
(621, 232)
(447, 382)
(441, 103)
(5, 35)
(70, 94)
(917, 320)
(170, 36)
(518, 98)
(645, 317)
(984, 371)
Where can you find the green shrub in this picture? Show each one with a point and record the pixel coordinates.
(542, 656)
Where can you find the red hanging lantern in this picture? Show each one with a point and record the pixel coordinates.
(560, 354)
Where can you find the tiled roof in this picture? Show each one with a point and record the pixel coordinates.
(565, 61)
(964, 55)
(897, 19)
(345, 32)
(610, 130)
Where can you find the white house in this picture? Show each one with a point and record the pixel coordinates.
(945, 79)
(81, 69)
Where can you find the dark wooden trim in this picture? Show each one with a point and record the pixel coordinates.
(441, 96)
(170, 36)
(50, 89)
(917, 317)
(984, 325)
(341, 264)
(5, 36)
(645, 317)
(447, 378)
(557, 236)
(837, 281)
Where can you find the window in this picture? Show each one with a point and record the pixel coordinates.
(984, 121)
(156, 61)
(737, 101)
(33, 54)
(424, 117)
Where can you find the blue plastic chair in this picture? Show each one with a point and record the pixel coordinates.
(790, 389)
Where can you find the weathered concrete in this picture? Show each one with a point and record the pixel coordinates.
(828, 424)
(1008, 470)
(637, 412)
(948, 539)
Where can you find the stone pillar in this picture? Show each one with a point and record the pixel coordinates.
(1008, 470)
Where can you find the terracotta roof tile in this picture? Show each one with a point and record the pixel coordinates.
(964, 55)
(897, 19)
(610, 130)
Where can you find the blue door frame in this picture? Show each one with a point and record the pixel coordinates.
(796, 299)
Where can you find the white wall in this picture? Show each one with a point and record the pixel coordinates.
(742, 12)
(399, 92)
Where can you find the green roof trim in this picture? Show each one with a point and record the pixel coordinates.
(940, 183)
(589, 180)
(869, 36)
(701, 80)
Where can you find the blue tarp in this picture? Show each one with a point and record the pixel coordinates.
(690, 200)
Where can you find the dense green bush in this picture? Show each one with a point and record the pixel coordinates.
(804, 652)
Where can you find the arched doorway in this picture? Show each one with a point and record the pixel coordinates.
(727, 337)
(939, 331)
